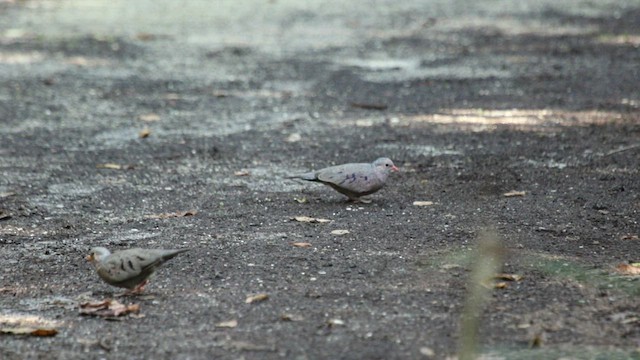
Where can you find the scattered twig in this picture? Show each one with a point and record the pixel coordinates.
(626, 148)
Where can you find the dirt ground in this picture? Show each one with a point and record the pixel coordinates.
(118, 117)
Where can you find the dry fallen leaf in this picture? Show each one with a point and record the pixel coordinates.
(4, 215)
(629, 269)
(144, 133)
(428, 352)
(335, 322)
(172, 215)
(109, 166)
(29, 331)
(256, 298)
(311, 220)
(364, 123)
(220, 94)
(108, 308)
(150, 117)
(291, 317)
(630, 237)
(422, 203)
(143, 36)
(227, 324)
(301, 200)
(513, 193)
(500, 285)
(242, 173)
(6, 194)
(301, 244)
(295, 137)
(339, 232)
(508, 277)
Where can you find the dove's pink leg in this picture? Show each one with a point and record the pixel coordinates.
(136, 290)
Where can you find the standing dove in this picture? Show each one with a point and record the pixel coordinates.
(353, 180)
(131, 268)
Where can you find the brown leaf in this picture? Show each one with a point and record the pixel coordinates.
(172, 215)
(227, 324)
(630, 237)
(500, 285)
(508, 277)
(307, 219)
(108, 308)
(150, 117)
(143, 36)
(44, 332)
(514, 193)
(29, 331)
(144, 133)
(301, 244)
(256, 298)
(242, 173)
(629, 269)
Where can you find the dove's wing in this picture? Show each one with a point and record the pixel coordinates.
(355, 178)
(129, 264)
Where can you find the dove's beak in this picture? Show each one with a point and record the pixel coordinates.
(395, 168)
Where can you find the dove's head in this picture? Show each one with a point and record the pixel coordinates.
(97, 254)
(384, 165)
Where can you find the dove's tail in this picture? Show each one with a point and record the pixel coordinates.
(310, 176)
(170, 254)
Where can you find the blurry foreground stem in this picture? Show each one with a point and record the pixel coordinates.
(486, 264)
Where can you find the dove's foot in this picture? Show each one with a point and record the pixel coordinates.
(135, 291)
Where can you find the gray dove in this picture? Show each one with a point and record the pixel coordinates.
(131, 268)
(353, 180)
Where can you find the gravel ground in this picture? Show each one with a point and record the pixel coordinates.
(169, 124)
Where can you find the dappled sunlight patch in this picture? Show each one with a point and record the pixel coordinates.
(84, 61)
(20, 58)
(519, 119)
(624, 39)
(515, 26)
(419, 150)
